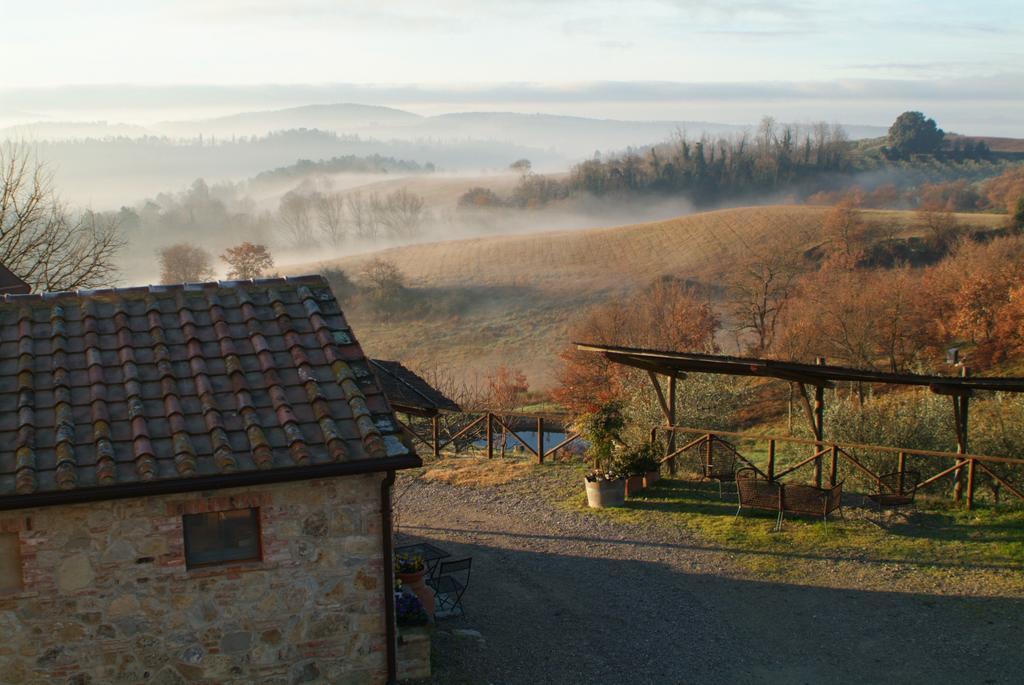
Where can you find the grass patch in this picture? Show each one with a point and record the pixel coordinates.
(477, 471)
(935, 533)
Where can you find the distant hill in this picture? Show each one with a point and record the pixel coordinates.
(512, 297)
(340, 118)
(994, 144)
(572, 137)
(60, 130)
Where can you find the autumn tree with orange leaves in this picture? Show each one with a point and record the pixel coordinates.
(248, 260)
(667, 315)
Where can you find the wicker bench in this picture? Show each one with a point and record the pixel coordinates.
(786, 498)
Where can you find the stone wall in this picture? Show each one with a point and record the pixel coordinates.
(107, 597)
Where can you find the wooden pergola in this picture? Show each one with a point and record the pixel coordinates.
(675, 365)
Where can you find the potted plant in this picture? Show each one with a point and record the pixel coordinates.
(636, 463)
(648, 465)
(600, 428)
(410, 571)
(409, 610)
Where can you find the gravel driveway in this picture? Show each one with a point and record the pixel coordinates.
(560, 597)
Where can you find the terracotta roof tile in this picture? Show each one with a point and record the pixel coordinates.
(130, 385)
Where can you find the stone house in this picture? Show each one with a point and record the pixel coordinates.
(195, 487)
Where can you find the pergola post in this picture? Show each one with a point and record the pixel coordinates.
(819, 421)
(819, 428)
(672, 417)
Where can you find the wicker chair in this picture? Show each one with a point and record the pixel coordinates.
(808, 500)
(722, 467)
(757, 493)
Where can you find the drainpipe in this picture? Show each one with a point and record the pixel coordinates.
(389, 576)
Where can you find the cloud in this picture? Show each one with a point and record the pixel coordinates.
(1006, 87)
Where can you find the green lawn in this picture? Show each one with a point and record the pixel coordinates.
(936, 537)
(936, 533)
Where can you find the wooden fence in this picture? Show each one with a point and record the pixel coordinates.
(836, 451)
(469, 426)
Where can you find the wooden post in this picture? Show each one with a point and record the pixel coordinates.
(960, 405)
(789, 408)
(970, 484)
(709, 455)
(672, 421)
(834, 469)
(490, 443)
(540, 439)
(902, 469)
(435, 436)
(771, 459)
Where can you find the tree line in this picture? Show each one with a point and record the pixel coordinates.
(775, 158)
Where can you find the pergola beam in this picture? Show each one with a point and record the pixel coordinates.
(661, 397)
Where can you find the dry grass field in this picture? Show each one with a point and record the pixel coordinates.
(517, 294)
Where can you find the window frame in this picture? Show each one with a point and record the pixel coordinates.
(258, 557)
(20, 561)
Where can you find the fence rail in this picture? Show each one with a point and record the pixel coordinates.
(837, 451)
(484, 425)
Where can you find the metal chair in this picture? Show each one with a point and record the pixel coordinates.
(896, 490)
(450, 584)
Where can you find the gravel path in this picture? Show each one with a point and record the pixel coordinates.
(560, 597)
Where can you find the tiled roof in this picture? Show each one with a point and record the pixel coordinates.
(406, 389)
(142, 385)
(10, 283)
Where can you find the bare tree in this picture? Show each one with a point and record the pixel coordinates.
(295, 212)
(385, 285)
(361, 216)
(401, 212)
(942, 228)
(185, 263)
(330, 215)
(40, 240)
(759, 290)
(847, 232)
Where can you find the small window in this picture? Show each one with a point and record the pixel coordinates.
(10, 563)
(222, 537)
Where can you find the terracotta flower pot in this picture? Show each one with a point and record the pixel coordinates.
(416, 582)
(651, 477)
(634, 484)
(606, 493)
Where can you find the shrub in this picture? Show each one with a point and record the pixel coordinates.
(185, 263)
(636, 461)
(914, 420)
(341, 285)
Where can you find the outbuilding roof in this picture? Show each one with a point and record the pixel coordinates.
(409, 392)
(170, 388)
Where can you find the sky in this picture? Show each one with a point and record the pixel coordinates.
(644, 59)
